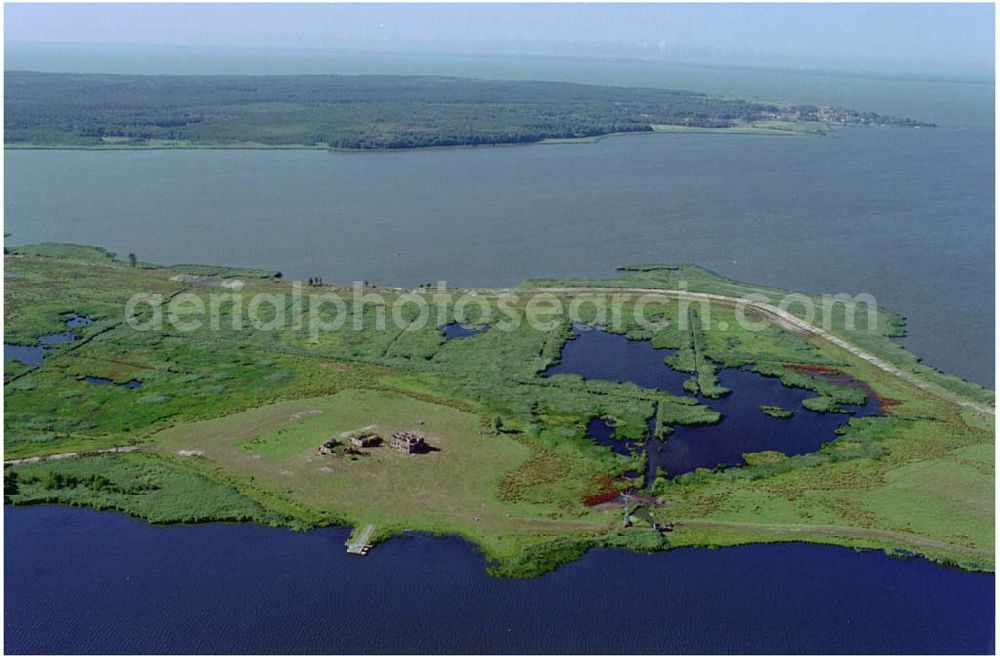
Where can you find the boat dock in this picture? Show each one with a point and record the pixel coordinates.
(360, 543)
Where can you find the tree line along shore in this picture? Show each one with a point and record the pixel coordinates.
(370, 112)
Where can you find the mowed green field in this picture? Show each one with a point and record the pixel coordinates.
(227, 422)
(451, 488)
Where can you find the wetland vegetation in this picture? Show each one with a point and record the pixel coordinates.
(776, 411)
(228, 420)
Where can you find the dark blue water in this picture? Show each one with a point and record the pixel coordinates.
(597, 354)
(744, 428)
(603, 433)
(457, 330)
(79, 581)
(34, 355)
(58, 338)
(74, 320)
(96, 380)
(29, 355)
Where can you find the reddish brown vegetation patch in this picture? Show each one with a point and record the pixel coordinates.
(884, 402)
(605, 493)
(833, 375)
(816, 368)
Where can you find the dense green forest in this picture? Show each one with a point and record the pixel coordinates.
(357, 112)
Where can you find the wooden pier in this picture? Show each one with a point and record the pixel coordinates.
(360, 543)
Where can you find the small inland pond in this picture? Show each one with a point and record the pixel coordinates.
(128, 385)
(600, 355)
(74, 320)
(597, 354)
(29, 355)
(33, 356)
(458, 330)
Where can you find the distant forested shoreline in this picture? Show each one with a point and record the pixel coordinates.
(362, 112)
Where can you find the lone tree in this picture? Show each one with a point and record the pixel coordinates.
(132, 259)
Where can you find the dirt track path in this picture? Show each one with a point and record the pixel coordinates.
(787, 319)
(70, 454)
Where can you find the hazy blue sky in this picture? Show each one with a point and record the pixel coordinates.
(928, 38)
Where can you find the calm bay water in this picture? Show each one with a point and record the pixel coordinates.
(109, 584)
(906, 215)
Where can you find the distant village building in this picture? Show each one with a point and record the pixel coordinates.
(365, 440)
(408, 443)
